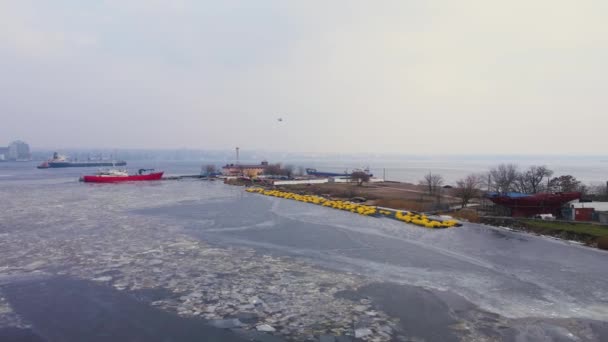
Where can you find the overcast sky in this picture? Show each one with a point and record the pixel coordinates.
(432, 76)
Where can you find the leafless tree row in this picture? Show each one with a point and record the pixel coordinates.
(280, 170)
(506, 178)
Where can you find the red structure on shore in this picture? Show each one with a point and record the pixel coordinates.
(529, 205)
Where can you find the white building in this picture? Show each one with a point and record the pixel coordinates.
(598, 206)
(18, 150)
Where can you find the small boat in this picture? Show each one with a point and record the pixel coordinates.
(114, 176)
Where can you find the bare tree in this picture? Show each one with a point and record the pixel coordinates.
(432, 183)
(601, 190)
(566, 183)
(360, 177)
(273, 169)
(468, 188)
(210, 169)
(531, 181)
(503, 177)
(279, 170)
(520, 184)
(584, 189)
(288, 170)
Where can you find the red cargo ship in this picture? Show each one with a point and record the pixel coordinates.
(114, 176)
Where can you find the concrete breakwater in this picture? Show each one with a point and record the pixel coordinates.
(361, 209)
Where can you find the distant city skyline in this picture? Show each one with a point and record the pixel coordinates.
(435, 77)
(16, 150)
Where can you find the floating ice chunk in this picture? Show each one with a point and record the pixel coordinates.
(360, 308)
(386, 329)
(362, 332)
(265, 328)
(103, 279)
(34, 265)
(255, 300)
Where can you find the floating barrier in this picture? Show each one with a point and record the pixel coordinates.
(424, 221)
(361, 209)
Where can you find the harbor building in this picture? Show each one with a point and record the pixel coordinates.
(252, 170)
(3, 153)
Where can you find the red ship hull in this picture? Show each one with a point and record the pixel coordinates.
(116, 179)
(542, 203)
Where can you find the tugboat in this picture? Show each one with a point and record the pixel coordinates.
(59, 161)
(115, 176)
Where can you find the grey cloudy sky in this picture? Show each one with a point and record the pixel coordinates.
(433, 76)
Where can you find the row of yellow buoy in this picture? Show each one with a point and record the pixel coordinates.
(424, 221)
(365, 210)
(361, 209)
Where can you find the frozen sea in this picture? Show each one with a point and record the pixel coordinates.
(195, 260)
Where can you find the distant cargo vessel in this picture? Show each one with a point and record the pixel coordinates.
(314, 172)
(59, 161)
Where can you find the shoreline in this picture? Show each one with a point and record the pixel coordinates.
(530, 226)
(395, 195)
(418, 219)
(564, 231)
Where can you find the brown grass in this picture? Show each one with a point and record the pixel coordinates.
(602, 243)
(369, 191)
(391, 195)
(333, 190)
(466, 214)
(396, 203)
